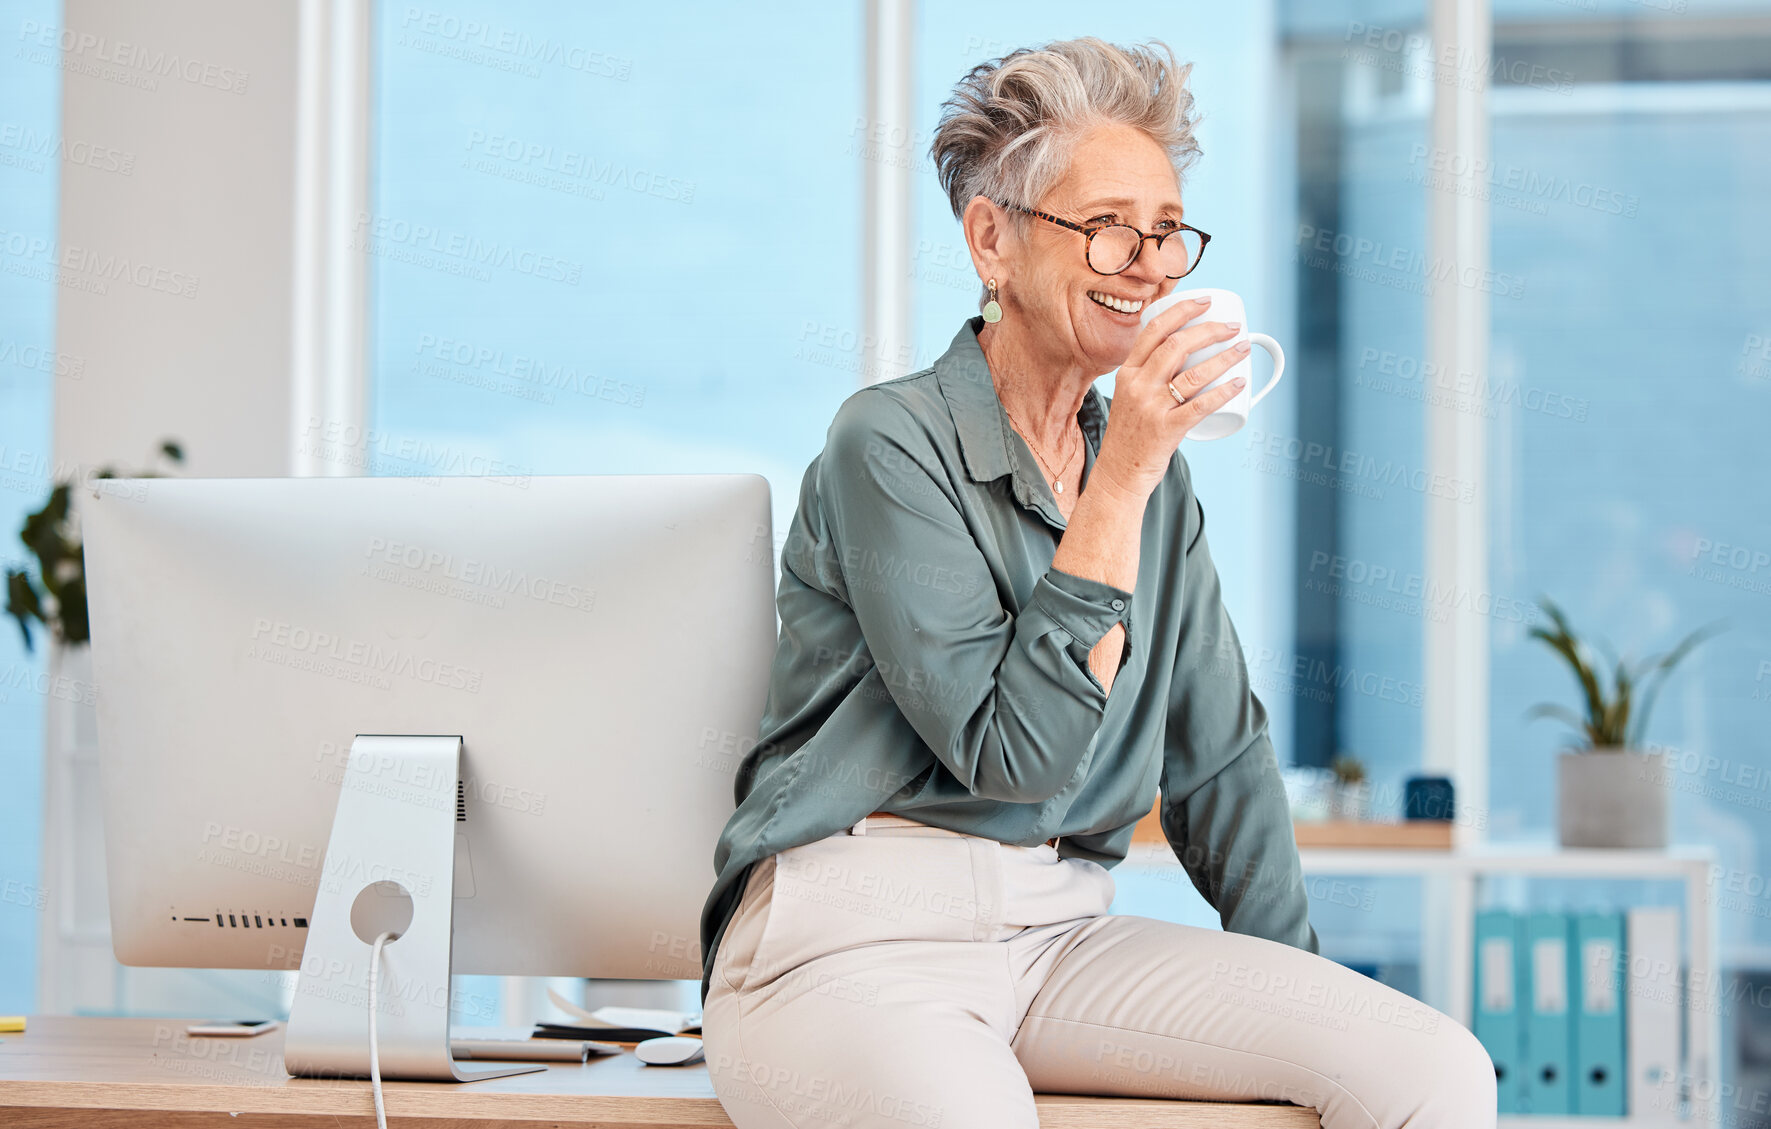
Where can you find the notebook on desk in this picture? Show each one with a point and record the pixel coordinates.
(602, 1034)
(614, 1024)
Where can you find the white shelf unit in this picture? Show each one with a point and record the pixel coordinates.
(1448, 921)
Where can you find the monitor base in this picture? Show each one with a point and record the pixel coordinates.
(389, 868)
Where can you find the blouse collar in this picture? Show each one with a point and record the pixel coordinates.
(987, 439)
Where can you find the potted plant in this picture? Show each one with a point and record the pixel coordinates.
(46, 596)
(1309, 792)
(1610, 791)
(56, 596)
(1351, 798)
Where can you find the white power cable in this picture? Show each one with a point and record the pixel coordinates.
(374, 1049)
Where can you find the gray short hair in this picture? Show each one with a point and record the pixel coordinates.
(1008, 128)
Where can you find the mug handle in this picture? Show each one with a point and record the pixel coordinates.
(1278, 355)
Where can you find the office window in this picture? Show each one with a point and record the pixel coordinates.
(1629, 403)
(30, 367)
(1356, 457)
(612, 239)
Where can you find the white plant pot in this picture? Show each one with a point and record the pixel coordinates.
(1309, 792)
(1612, 798)
(1350, 801)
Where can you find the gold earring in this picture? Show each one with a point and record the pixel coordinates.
(992, 309)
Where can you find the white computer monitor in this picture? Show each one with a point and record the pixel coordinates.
(598, 644)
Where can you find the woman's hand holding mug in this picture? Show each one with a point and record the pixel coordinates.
(1147, 422)
(1177, 381)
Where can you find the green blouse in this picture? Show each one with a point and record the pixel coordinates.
(932, 663)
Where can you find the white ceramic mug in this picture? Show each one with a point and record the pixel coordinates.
(1226, 305)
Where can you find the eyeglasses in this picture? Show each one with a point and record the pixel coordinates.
(1113, 247)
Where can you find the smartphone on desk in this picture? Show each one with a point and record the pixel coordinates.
(235, 1029)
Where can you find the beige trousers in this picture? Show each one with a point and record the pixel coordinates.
(896, 974)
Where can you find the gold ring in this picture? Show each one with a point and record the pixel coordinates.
(1179, 399)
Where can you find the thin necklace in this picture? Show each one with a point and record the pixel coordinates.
(1058, 482)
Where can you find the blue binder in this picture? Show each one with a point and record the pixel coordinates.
(1596, 964)
(1499, 1022)
(1549, 1034)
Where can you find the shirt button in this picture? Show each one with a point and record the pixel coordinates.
(1118, 605)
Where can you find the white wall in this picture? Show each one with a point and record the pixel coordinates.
(175, 257)
(207, 210)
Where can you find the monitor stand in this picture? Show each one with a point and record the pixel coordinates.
(390, 866)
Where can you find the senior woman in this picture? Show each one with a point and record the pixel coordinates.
(1001, 637)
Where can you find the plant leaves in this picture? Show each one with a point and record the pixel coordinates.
(75, 628)
(1559, 713)
(48, 534)
(1563, 642)
(1657, 674)
(22, 603)
(1618, 716)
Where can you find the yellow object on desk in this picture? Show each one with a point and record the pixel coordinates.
(10, 1023)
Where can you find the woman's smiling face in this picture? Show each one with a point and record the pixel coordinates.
(1117, 174)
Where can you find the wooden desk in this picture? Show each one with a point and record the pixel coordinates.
(138, 1073)
(1405, 834)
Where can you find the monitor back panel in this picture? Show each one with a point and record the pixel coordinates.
(601, 644)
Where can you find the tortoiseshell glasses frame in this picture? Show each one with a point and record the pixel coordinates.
(1091, 232)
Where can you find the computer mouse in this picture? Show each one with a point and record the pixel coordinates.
(671, 1050)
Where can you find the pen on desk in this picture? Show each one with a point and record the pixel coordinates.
(11, 1023)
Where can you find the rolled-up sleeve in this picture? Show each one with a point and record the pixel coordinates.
(1223, 809)
(1005, 701)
